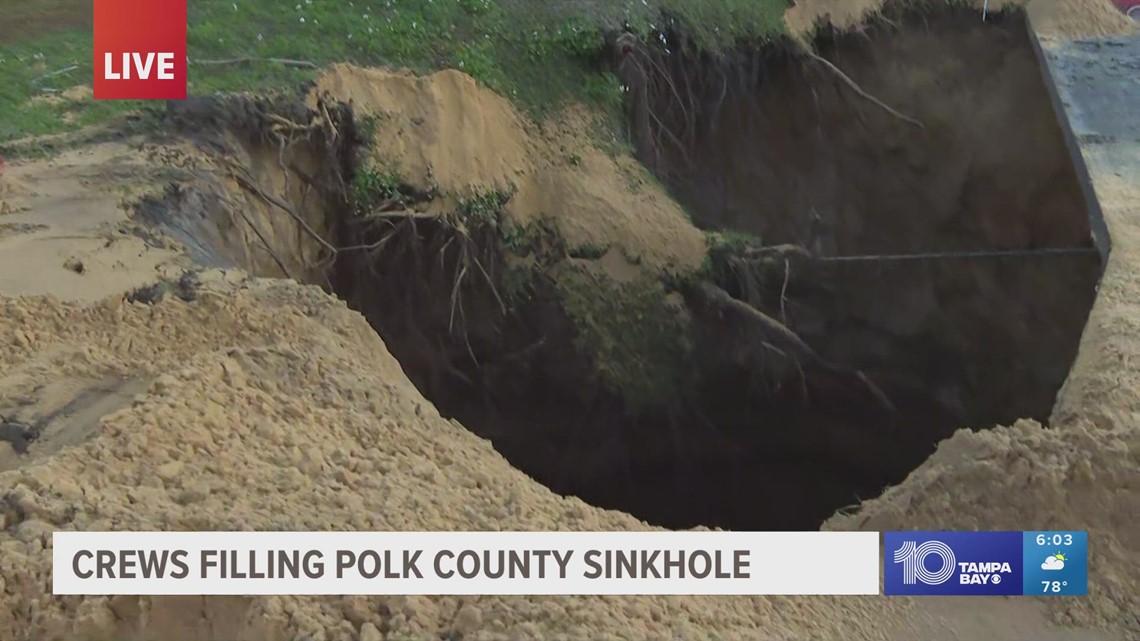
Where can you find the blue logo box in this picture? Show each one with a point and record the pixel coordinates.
(953, 563)
(985, 563)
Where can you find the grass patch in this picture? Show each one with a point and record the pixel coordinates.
(484, 209)
(540, 54)
(372, 187)
(723, 245)
(640, 347)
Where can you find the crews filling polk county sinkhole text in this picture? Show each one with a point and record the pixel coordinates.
(410, 564)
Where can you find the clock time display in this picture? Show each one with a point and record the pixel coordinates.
(1056, 563)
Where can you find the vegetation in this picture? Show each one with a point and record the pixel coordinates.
(484, 209)
(538, 53)
(640, 347)
(371, 187)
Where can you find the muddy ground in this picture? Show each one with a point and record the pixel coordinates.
(394, 302)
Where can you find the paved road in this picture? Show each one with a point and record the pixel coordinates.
(1096, 83)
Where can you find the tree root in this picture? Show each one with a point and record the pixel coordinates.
(280, 61)
(859, 90)
(779, 338)
(243, 177)
(265, 243)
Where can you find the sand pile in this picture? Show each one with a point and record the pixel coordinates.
(1078, 18)
(1009, 478)
(271, 406)
(1054, 18)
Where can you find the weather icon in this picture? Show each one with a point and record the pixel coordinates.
(1054, 562)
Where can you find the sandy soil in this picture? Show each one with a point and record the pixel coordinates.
(1059, 18)
(283, 387)
(62, 230)
(264, 404)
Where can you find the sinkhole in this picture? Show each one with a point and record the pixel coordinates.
(903, 250)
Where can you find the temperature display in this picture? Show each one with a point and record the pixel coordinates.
(1056, 563)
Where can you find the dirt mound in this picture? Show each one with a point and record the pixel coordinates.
(440, 131)
(1006, 478)
(341, 440)
(446, 133)
(1057, 18)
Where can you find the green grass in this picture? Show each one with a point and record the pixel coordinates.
(640, 347)
(540, 53)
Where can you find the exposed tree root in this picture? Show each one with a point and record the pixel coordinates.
(247, 181)
(777, 337)
(264, 242)
(859, 90)
(236, 61)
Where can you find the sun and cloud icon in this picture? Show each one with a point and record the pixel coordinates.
(1054, 562)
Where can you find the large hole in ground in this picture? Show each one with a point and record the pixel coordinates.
(812, 383)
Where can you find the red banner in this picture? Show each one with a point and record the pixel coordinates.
(140, 49)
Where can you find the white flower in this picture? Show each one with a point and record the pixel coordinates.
(302, 18)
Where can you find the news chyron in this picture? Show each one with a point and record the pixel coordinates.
(1037, 563)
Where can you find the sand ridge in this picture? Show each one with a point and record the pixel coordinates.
(282, 386)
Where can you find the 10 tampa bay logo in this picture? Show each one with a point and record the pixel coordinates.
(953, 563)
